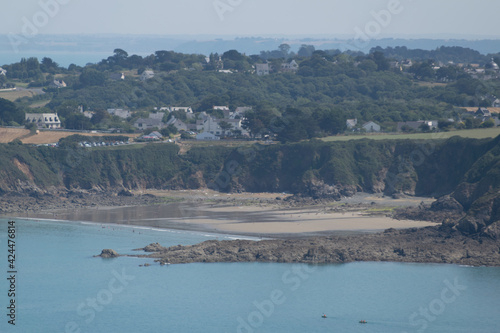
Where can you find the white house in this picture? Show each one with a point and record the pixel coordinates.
(371, 127)
(212, 126)
(147, 74)
(186, 109)
(44, 120)
(57, 84)
(88, 114)
(262, 69)
(207, 136)
(351, 123)
(292, 66)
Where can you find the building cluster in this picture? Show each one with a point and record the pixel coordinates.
(483, 114)
(286, 67)
(370, 126)
(205, 125)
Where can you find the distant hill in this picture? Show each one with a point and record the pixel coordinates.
(80, 49)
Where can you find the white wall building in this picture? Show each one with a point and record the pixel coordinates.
(44, 120)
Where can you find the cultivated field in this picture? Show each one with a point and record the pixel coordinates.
(481, 133)
(9, 134)
(15, 94)
(53, 137)
(491, 109)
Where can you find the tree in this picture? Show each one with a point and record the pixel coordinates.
(31, 126)
(423, 70)
(296, 125)
(92, 77)
(381, 61)
(225, 126)
(306, 51)
(9, 113)
(252, 123)
(488, 123)
(232, 55)
(472, 123)
(444, 124)
(120, 54)
(170, 129)
(77, 121)
(99, 116)
(425, 127)
(332, 121)
(48, 65)
(284, 49)
(368, 65)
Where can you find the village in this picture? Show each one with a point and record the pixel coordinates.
(230, 122)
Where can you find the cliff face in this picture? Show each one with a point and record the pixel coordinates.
(465, 169)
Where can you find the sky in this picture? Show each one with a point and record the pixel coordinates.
(346, 18)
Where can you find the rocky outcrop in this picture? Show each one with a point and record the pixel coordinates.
(153, 247)
(14, 202)
(483, 216)
(108, 253)
(432, 244)
(444, 210)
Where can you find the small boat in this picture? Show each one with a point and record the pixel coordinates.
(323, 316)
(362, 321)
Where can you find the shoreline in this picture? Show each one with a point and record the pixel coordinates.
(244, 216)
(309, 231)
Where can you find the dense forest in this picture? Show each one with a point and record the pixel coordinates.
(328, 87)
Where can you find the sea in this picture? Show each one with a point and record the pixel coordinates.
(60, 286)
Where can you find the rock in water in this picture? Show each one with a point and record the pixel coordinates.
(154, 247)
(108, 253)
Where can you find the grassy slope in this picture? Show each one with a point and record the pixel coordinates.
(473, 134)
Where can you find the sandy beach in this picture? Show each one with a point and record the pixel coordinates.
(365, 214)
(258, 220)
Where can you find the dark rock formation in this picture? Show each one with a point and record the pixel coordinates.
(427, 245)
(153, 247)
(108, 253)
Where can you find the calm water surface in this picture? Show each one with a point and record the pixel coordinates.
(61, 287)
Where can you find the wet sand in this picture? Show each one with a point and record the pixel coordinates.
(255, 220)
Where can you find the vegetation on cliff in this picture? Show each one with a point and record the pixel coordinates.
(467, 170)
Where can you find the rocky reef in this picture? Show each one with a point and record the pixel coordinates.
(427, 245)
(108, 253)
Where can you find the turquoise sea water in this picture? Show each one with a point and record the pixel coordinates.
(61, 287)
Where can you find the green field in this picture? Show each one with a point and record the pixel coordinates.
(15, 94)
(480, 133)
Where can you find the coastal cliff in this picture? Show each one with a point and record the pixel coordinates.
(466, 170)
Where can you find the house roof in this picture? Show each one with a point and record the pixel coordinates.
(148, 121)
(351, 122)
(156, 133)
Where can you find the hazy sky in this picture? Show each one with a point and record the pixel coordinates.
(440, 18)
